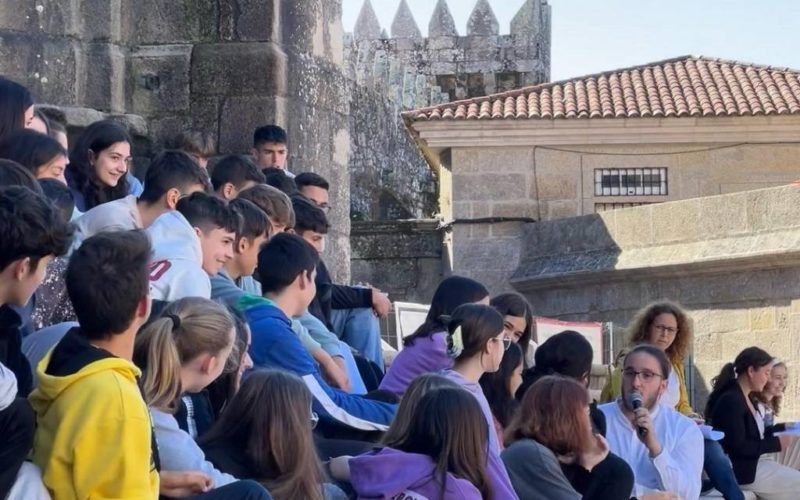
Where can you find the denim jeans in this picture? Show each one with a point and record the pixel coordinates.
(360, 329)
(319, 332)
(718, 467)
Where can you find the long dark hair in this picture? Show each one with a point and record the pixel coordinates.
(15, 99)
(451, 293)
(31, 149)
(752, 357)
(495, 386)
(270, 416)
(448, 426)
(567, 353)
(514, 304)
(478, 323)
(82, 175)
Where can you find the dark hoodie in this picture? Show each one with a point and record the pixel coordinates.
(330, 296)
(389, 473)
(11, 350)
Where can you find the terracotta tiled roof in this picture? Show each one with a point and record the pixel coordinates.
(684, 86)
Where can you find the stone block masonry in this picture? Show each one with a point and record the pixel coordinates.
(225, 66)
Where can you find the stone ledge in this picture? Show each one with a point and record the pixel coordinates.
(697, 239)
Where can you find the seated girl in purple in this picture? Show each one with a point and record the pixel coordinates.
(426, 350)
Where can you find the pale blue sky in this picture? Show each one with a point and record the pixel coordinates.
(597, 35)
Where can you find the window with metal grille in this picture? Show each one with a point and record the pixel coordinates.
(630, 182)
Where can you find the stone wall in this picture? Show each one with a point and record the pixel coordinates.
(733, 260)
(402, 258)
(226, 66)
(389, 178)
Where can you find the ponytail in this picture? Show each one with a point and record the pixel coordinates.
(469, 329)
(752, 357)
(157, 355)
(186, 329)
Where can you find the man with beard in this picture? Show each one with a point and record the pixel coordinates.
(663, 447)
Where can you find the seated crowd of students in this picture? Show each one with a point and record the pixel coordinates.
(182, 337)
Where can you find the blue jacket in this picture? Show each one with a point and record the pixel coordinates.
(275, 345)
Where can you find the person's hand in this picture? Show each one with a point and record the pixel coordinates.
(340, 468)
(381, 303)
(698, 419)
(595, 454)
(336, 373)
(179, 484)
(786, 440)
(659, 495)
(642, 419)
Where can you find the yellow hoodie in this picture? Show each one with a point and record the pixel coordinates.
(94, 435)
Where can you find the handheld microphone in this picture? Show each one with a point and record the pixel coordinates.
(636, 403)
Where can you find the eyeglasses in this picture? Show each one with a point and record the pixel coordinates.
(506, 342)
(325, 207)
(646, 375)
(666, 329)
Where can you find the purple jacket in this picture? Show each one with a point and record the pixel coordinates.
(388, 473)
(426, 355)
(498, 475)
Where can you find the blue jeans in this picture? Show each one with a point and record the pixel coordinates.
(361, 330)
(718, 467)
(320, 333)
(243, 490)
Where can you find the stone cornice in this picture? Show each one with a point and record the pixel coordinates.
(441, 134)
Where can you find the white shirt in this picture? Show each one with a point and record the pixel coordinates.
(672, 395)
(679, 465)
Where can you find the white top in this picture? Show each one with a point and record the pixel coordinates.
(672, 395)
(117, 215)
(676, 469)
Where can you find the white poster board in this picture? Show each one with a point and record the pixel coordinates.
(593, 332)
(408, 316)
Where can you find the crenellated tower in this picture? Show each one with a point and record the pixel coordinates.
(444, 66)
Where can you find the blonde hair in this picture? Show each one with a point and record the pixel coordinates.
(186, 329)
(639, 329)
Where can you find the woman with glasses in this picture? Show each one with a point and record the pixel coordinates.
(476, 341)
(99, 164)
(666, 325)
(265, 434)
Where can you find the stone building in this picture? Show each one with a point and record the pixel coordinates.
(225, 66)
(683, 130)
(390, 74)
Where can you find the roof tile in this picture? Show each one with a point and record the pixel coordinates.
(685, 86)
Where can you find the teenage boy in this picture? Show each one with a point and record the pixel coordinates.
(275, 203)
(33, 233)
(663, 447)
(270, 148)
(233, 174)
(286, 269)
(345, 310)
(93, 437)
(198, 144)
(315, 188)
(226, 285)
(189, 245)
(172, 175)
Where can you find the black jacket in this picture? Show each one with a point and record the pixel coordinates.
(330, 296)
(742, 441)
(11, 350)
